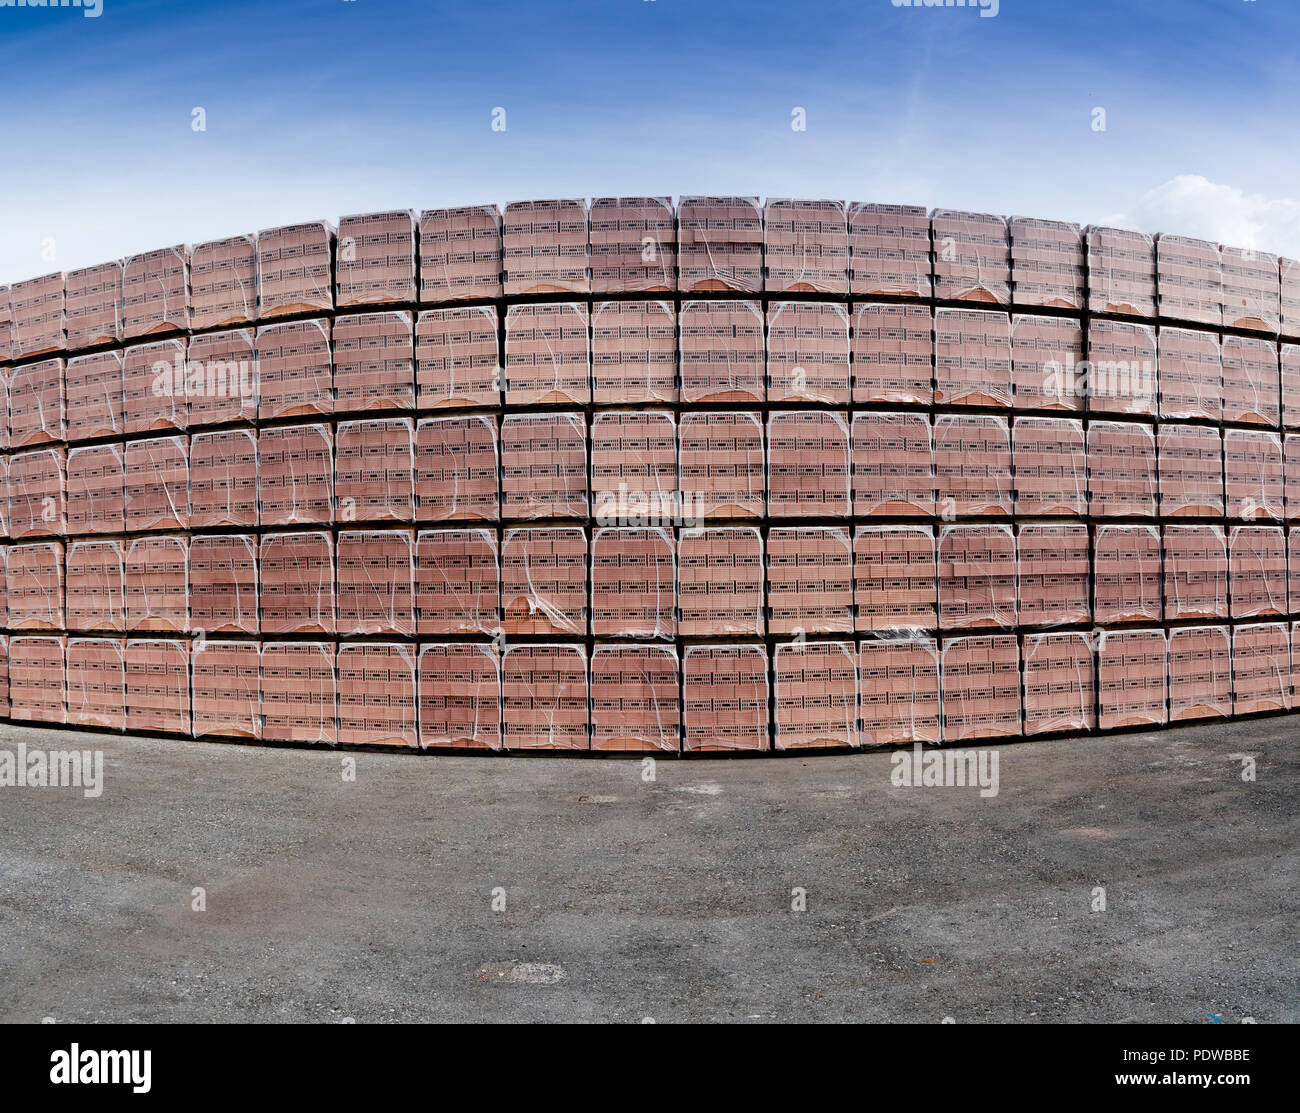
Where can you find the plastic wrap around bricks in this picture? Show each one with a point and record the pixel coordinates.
(633, 352)
(893, 353)
(398, 494)
(1200, 672)
(725, 697)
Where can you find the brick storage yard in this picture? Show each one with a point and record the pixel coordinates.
(433, 480)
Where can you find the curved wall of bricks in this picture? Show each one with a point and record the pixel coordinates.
(724, 476)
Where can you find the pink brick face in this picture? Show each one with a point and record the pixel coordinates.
(457, 582)
(94, 396)
(299, 692)
(889, 249)
(158, 686)
(376, 258)
(222, 378)
(1131, 670)
(295, 370)
(155, 292)
(722, 463)
(545, 247)
(1200, 673)
(1191, 374)
(893, 353)
(1043, 352)
(374, 362)
(223, 584)
(93, 305)
(1054, 566)
(632, 583)
(899, 684)
(1121, 272)
(1189, 279)
(293, 269)
(296, 580)
(720, 581)
(1191, 471)
(1127, 574)
(544, 466)
(460, 697)
(634, 352)
(543, 581)
(295, 475)
(722, 355)
(460, 253)
(544, 697)
(225, 683)
(1050, 467)
(456, 469)
(977, 576)
(972, 464)
(223, 282)
(96, 678)
(808, 353)
(376, 694)
(1195, 572)
(634, 698)
(1261, 668)
(633, 245)
(724, 697)
(1046, 263)
(808, 464)
(157, 585)
(376, 582)
(456, 359)
(374, 477)
(95, 490)
(1059, 683)
(809, 580)
(972, 358)
(893, 464)
(96, 586)
(816, 696)
(972, 256)
(223, 479)
(720, 244)
(981, 687)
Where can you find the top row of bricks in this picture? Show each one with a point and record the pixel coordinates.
(640, 245)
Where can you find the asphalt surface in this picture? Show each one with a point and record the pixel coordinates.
(670, 899)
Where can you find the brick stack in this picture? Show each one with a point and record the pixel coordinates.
(294, 272)
(742, 476)
(376, 259)
(223, 282)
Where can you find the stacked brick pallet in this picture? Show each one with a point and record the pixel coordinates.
(728, 476)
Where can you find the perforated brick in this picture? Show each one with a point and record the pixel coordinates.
(633, 244)
(460, 697)
(893, 464)
(816, 696)
(296, 580)
(634, 698)
(725, 697)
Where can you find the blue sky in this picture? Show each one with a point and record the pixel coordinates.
(317, 108)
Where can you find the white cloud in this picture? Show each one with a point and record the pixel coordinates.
(1192, 205)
